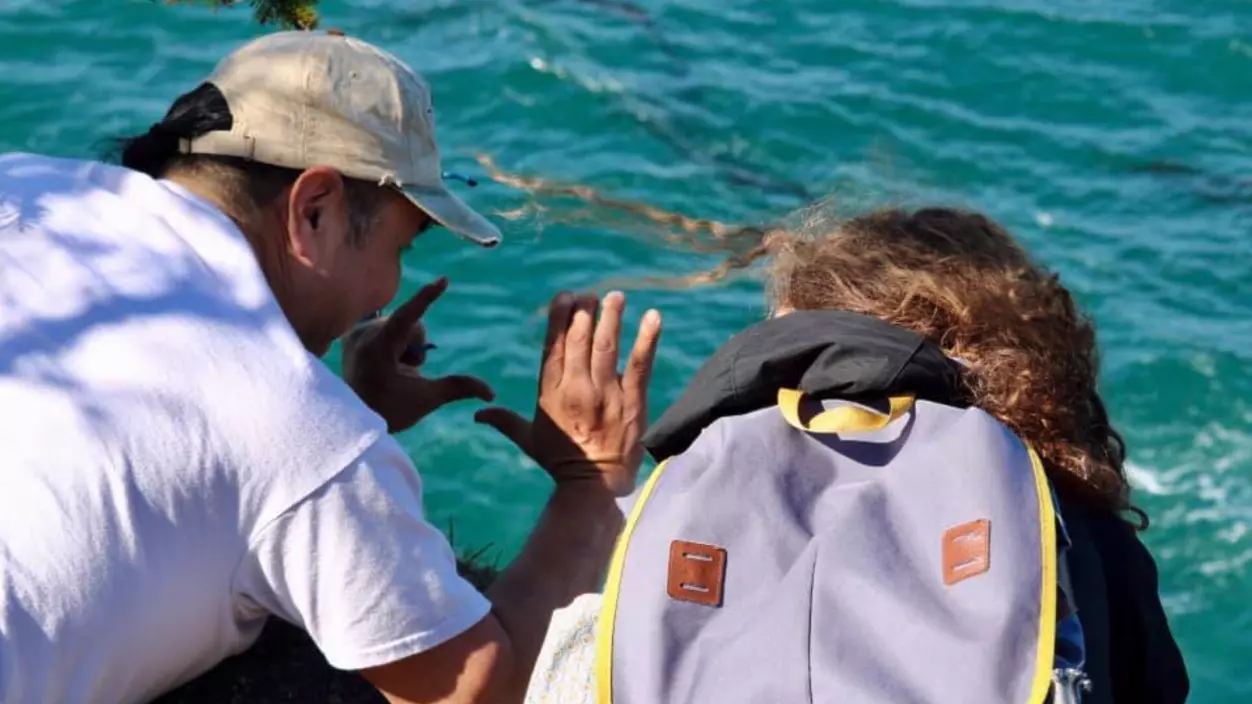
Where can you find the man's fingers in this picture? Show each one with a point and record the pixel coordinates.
(639, 366)
(416, 335)
(400, 323)
(604, 344)
(511, 425)
(578, 338)
(552, 363)
(414, 354)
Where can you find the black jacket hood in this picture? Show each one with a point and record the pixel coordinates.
(822, 353)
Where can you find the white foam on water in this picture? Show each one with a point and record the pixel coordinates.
(1146, 479)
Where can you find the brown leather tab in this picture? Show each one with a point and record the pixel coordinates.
(966, 551)
(697, 573)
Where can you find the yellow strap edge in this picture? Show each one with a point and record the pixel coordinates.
(612, 585)
(1042, 682)
(841, 420)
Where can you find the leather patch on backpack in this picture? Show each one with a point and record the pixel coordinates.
(697, 573)
(966, 551)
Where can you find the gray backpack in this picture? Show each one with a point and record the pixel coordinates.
(850, 540)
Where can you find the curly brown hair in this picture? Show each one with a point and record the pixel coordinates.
(962, 281)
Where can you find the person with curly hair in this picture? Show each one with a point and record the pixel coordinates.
(943, 305)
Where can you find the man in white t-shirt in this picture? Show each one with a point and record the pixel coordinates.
(177, 465)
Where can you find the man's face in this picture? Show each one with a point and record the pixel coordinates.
(338, 277)
(368, 271)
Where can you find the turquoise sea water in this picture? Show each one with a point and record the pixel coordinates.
(1115, 138)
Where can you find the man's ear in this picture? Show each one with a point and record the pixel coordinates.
(316, 217)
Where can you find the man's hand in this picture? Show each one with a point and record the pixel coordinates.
(589, 418)
(586, 434)
(376, 366)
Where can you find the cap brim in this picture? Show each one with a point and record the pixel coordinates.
(452, 212)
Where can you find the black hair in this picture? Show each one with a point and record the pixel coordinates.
(193, 114)
(250, 185)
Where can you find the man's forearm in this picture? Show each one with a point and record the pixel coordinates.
(566, 555)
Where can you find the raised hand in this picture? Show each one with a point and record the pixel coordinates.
(589, 418)
(380, 361)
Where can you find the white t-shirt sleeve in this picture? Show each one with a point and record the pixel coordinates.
(357, 565)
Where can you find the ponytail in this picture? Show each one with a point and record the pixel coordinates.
(195, 113)
(151, 152)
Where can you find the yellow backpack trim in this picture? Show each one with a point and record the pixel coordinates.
(840, 420)
(612, 584)
(1046, 646)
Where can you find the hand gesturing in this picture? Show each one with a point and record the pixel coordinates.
(376, 366)
(589, 418)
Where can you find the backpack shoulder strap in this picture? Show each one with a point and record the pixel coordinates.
(612, 591)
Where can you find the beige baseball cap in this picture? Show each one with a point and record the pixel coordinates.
(305, 99)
